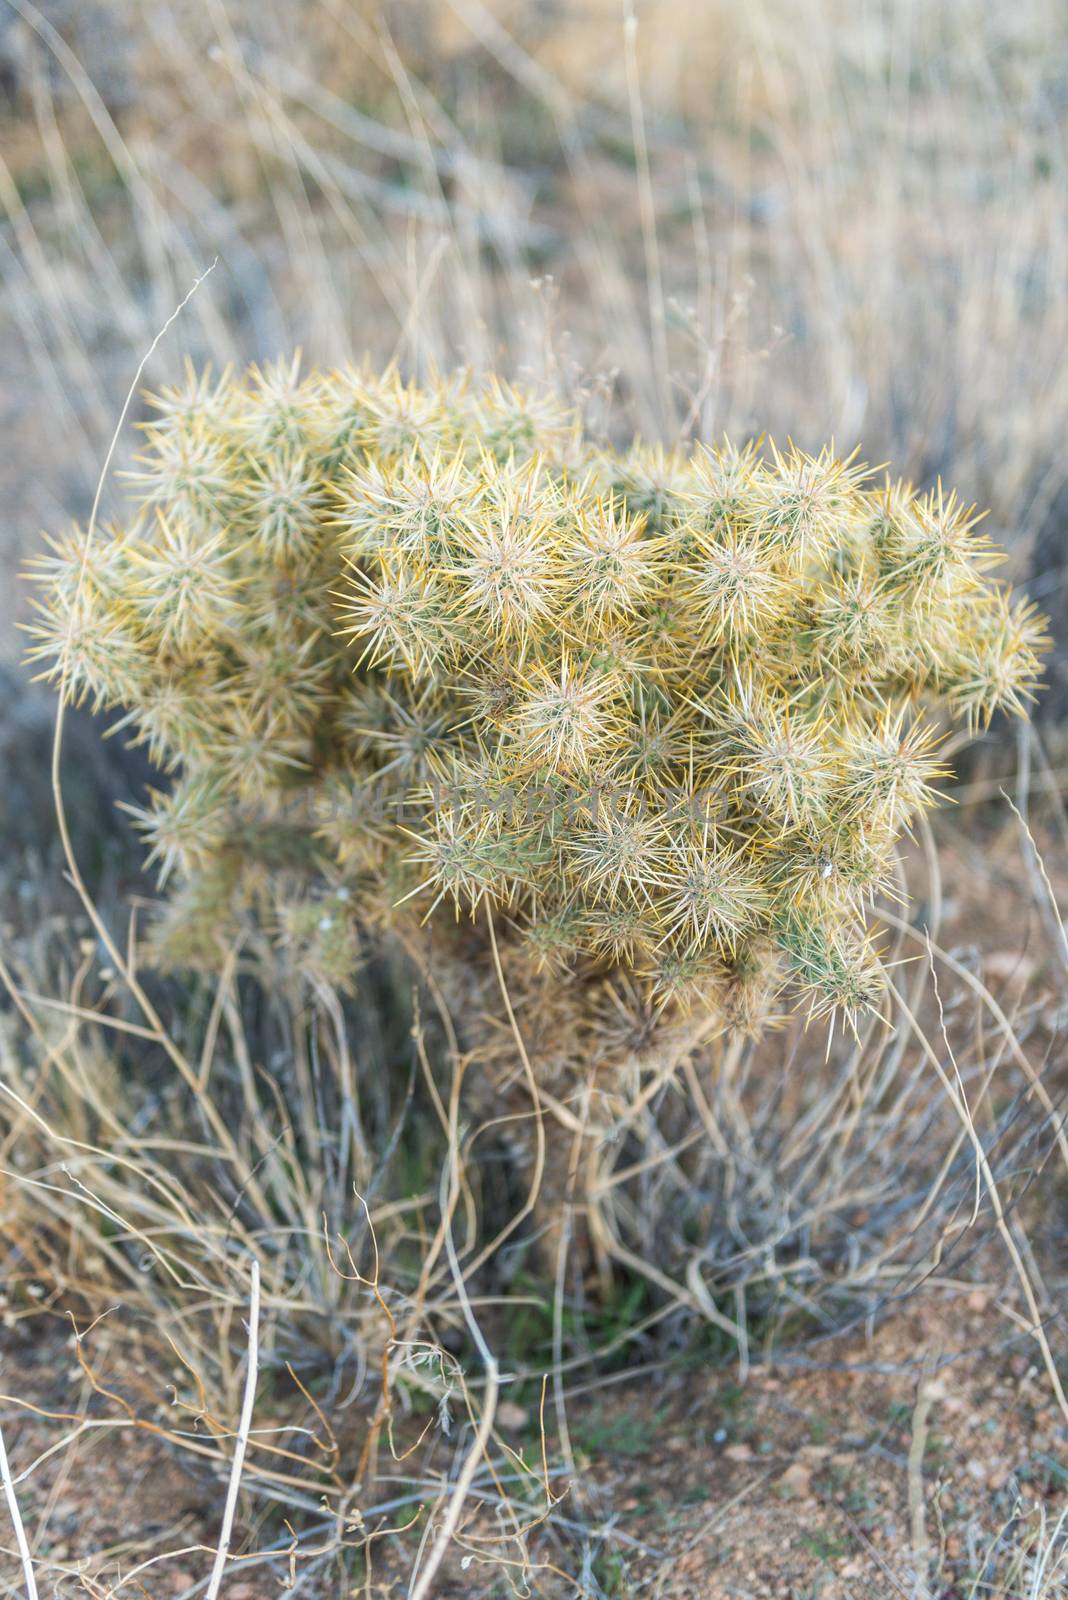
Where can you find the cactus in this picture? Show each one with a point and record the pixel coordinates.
(409, 651)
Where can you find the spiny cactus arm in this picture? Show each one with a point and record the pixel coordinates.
(441, 618)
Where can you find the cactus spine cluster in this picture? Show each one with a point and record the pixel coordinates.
(408, 650)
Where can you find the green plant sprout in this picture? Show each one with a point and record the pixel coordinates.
(402, 649)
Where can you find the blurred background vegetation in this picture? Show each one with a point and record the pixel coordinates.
(813, 217)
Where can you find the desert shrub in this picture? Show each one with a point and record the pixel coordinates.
(406, 650)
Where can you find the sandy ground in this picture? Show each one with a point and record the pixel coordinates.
(820, 1475)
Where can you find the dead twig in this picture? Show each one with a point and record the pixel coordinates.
(241, 1443)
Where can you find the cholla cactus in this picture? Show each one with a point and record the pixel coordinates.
(424, 650)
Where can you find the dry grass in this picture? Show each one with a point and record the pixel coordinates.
(782, 1205)
(764, 1193)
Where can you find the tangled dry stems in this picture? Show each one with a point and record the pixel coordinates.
(106, 1200)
